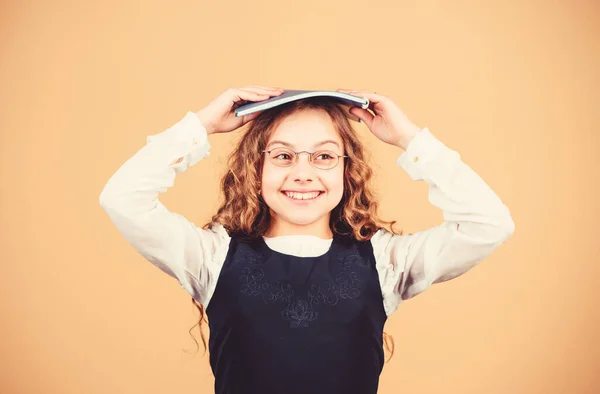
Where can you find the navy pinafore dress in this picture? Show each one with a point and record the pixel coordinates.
(282, 324)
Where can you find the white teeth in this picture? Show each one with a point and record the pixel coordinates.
(302, 196)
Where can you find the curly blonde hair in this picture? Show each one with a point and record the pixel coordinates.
(243, 211)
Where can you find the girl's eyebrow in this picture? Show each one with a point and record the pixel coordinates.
(292, 146)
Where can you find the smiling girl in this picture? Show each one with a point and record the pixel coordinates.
(296, 272)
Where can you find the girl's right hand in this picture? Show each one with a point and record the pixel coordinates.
(219, 115)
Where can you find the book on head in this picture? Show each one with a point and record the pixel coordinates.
(292, 95)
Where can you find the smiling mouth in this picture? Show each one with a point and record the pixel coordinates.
(301, 197)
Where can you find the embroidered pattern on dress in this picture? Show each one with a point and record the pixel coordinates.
(299, 312)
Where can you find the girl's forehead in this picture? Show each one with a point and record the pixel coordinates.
(305, 129)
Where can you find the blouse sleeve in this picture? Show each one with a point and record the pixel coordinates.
(476, 222)
(168, 240)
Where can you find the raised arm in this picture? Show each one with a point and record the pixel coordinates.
(166, 239)
(476, 222)
(192, 255)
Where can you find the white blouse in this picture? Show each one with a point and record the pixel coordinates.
(476, 222)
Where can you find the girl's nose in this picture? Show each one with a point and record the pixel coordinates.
(303, 168)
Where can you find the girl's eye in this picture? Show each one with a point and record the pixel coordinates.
(324, 156)
(282, 155)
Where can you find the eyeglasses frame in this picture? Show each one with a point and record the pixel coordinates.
(310, 155)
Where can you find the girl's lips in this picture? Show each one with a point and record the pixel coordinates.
(302, 191)
(303, 202)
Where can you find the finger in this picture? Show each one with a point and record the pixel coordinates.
(363, 115)
(263, 88)
(241, 94)
(375, 100)
(263, 91)
(350, 115)
(373, 97)
(260, 90)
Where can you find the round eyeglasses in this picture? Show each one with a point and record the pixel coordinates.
(323, 159)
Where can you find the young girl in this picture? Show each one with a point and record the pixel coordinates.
(295, 271)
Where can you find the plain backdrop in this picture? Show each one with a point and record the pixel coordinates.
(513, 86)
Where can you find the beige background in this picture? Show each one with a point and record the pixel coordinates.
(512, 86)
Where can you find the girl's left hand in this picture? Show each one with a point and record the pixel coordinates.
(389, 123)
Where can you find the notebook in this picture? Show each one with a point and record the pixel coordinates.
(292, 95)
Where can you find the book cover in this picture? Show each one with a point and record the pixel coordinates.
(292, 95)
